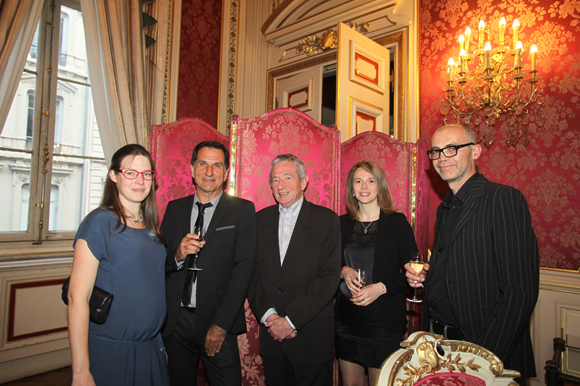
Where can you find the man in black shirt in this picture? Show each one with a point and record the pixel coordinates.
(482, 282)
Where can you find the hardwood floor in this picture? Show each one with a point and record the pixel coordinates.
(60, 377)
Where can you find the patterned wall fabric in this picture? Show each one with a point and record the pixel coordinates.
(548, 170)
(199, 60)
(171, 147)
(261, 139)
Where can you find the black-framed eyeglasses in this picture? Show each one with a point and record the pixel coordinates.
(132, 174)
(449, 151)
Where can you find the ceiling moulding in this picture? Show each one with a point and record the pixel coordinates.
(293, 17)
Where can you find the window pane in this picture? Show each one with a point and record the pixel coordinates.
(77, 182)
(16, 157)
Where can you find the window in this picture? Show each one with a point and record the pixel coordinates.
(52, 168)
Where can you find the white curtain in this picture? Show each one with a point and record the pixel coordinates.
(123, 87)
(18, 21)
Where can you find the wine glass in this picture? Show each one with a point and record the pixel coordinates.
(362, 277)
(200, 232)
(416, 262)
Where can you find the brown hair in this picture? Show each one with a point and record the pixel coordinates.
(384, 197)
(111, 200)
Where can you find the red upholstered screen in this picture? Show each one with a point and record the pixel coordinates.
(422, 186)
(171, 147)
(394, 157)
(259, 140)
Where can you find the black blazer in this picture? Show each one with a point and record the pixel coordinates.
(303, 288)
(227, 261)
(394, 243)
(493, 273)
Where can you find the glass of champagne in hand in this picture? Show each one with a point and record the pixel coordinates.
(198, 231)
(416, 262)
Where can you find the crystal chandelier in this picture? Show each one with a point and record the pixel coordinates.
(487, 83)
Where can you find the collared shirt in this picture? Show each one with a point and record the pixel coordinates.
(438, 300)
(286, 224)
(207, 216)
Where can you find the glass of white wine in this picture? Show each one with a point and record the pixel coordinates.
(200, 232)
(416, 262)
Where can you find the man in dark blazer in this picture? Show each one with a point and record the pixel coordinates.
(296, 275)
(205, 310)
(483, 278)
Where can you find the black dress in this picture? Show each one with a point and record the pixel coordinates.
(368, 335)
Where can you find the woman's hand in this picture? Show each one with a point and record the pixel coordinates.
(368, 294)
(350, 277)
(83, 379)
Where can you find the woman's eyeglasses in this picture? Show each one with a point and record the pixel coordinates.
(131, 174)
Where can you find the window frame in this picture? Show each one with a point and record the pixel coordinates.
(44, 130)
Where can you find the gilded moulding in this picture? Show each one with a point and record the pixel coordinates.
(232, 64)
(314, 44)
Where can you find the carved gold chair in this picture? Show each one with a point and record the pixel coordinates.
(427, 359)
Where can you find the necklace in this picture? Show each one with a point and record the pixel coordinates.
(141, 218)
(366, 228)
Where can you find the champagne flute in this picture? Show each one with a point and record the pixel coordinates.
(416, 262)
(200, 232)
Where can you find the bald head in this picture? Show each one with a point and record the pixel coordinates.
(455, 169)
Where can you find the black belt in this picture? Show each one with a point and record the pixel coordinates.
(189, 309)
(449, 332)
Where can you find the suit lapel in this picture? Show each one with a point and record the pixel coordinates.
(271, 235)
(300, 229)
(186, 224)
(470, 205)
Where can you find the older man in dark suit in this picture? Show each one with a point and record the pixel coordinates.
(296, 276)
(483, 278)
(205, 309)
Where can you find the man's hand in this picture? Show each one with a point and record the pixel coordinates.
(279, 328)
(412, 278)
(189, 246)
(214, 340)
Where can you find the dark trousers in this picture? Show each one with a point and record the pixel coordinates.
(280, 372)
(184, 348)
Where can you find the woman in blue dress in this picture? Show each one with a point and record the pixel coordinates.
(118, 248)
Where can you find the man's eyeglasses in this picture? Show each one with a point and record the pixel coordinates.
(131, 174)
(449, 151)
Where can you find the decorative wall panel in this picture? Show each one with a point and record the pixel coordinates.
(199, 60)
(548, 170)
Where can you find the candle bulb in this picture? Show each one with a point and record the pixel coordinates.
(516, 26)
(487, 55)
(462, 61)
(467, 38)
(450, 64)
(481, 28)
(501, 31)
(461, 40)
(519, 50)
(533, 52)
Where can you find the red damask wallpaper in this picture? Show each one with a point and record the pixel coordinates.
(548, 170)
(199, 60)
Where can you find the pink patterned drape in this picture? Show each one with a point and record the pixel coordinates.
(259, 140)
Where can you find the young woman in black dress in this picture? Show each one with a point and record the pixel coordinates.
(370, 308)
